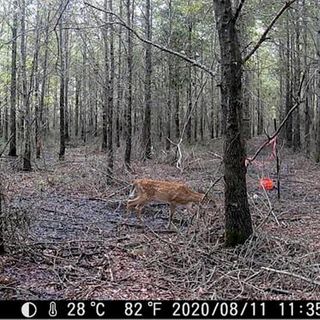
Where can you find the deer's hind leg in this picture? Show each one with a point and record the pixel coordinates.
(172, 210)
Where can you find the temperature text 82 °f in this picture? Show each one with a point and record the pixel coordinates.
(134, 309)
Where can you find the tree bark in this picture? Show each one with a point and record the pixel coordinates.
(119, 83)
(77, 105)
(66, 85)
(106, 81)
(147, 87)
(13, 85)
(110, 97)
(36, 87)
(2, 251)
(260, 109)
(128, 132)
(177, 100)
(237, 214)
(43, 125)
(189, 89)
(288, 126)
(317, 113)
(25, 94)
(307, 122)
(297, 76)
(62, 92)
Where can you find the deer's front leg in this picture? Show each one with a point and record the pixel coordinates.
(137, 204)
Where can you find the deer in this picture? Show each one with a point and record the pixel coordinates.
(173, 193)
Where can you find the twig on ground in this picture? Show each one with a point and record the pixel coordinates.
(292, 275)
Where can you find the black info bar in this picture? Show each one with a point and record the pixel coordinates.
(157, 309)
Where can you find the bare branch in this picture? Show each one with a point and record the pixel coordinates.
(158, 46)
(5, 146)
(296, 105)
(236, 15)
(293, 275)
(264, 35)
(61, 13)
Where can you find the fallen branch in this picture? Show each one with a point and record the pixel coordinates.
(293, 275)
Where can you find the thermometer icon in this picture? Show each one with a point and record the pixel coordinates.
(53, 309)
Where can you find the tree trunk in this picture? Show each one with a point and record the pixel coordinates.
(62, 92)
(36, 87)
(66, 85)
(237, 214)
(1, 220)
(189, 90)
(119, 84)
(147, 87)
(317, 113)
(297, 71)
(43, 125)
(260, 109)
(13, 86)
(106, 81)
(212, 113)
(177, 100)
(83, 100)
(6, 121)
(170, 81)
(76, 111)
(307, 122)
(288, 125)
(25, 95)
(128, 132)
(202, 111)
(110, 97)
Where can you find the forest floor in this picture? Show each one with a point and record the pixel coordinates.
(67, 237)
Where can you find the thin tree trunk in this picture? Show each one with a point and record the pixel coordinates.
(128, 132)
(288, 125)
(297, 71)
(76, 111)
(13, 86)
(66, 85)
(189, 90)
(170, 81)
(213, 120)
(84, 96)
(2, 250)
(260, 109)
(317, 113)
(62, 92)
(6, 120)
(169, 104)
(106, 81)
(119, 84)
(25, 96)
(307, 122)
(147, 87)
(177, 100)
(43, 125)
(36, 88)
(110, 96)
